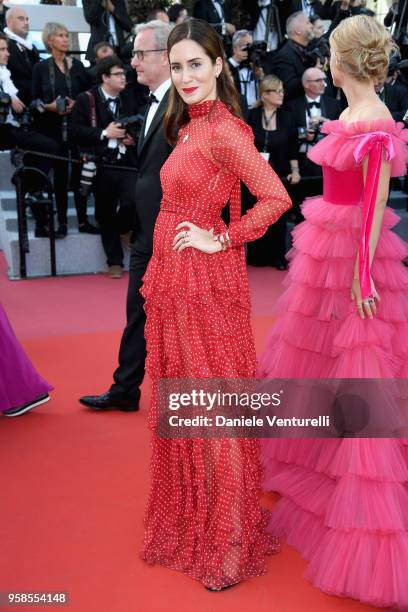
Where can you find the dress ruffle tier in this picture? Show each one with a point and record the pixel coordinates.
(344, 502)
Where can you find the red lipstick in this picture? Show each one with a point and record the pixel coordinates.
(189, 90)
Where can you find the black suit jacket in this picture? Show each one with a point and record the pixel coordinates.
(87, 137)
(330, 109)
(152, 151)
(21, 65)
(204, 9)
(396, 100)
(98, 19)
(288, 65)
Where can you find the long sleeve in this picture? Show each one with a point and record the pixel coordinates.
(233, 149)
(92, 11)
(6, 82)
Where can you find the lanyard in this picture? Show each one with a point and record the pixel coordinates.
(67, 75)
(267, 123)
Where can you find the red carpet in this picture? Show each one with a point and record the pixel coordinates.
(74, 483)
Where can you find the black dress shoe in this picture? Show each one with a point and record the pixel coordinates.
(108, 401)
(88, 228)
(61, 231)
(41, 231)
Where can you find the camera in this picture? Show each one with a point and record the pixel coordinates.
(88, 173)
(5, 103)
(256, 53)
(132, 124)
(62, 104)
(26, 117)
(319, 50)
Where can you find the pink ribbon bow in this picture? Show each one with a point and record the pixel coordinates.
(373, 144)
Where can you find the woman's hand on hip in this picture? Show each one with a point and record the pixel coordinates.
(194, 237)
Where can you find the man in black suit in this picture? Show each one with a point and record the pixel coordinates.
(215, 12)
(309, 112)
(23, 54)
(394, 95)
(109, 21)
(290, 61)
(151, 64)
(96, 129)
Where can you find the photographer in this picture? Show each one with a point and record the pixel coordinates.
(23, 54)
(244, 67)
(309, 112)
(109, 21)
(97, 129)
(58, 81)
(14, 123)
(292, 60)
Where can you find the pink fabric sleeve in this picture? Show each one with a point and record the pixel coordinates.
(234, 150)
(373, 144)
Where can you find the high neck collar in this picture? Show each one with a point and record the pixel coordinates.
(201, 109)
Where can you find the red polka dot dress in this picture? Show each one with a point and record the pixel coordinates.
(203, 516)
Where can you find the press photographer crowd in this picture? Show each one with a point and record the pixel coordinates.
(82, 125)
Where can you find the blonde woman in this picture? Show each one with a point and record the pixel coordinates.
(276, 139)
(57, 81)
(344, 501)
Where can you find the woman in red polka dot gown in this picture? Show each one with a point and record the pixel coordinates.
(204, 517)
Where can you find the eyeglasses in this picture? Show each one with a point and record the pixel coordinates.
(118, 74)
(317, 80)
(140, 53)
(278, 91)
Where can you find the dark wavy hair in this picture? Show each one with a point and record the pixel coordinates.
(204, 35)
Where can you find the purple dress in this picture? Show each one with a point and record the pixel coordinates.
(19, 381)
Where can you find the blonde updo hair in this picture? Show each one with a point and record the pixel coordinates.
(363, 47)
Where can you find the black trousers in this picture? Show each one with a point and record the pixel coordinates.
(65, 180)
(114, 207)
(129, 375)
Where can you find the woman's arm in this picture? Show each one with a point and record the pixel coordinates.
(374, 150)
(234, 151)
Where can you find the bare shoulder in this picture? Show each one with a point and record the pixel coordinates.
(371, 112)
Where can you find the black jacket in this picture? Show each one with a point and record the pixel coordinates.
(87, 137)
(3, 17)
(98, 19)
(282, 142)
(205, 9)
(152, 151)
(395, 97)
(50, 123)
(289, 65)
(330, 109)
(400, 19)
(21, 65)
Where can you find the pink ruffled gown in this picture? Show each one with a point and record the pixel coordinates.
(344, 502)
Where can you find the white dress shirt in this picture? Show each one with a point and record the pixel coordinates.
(159, 94)
(259, 33)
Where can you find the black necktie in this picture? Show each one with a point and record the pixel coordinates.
(152, 98)
(312, 104)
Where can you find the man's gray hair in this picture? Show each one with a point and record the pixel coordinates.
(51, 29)
(161, 31)
(238, 35)
(291, 22)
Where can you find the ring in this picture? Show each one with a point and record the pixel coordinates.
(371, 301)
